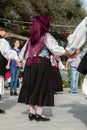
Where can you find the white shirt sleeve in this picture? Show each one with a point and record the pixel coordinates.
(6, 50)
(53, 46)
(78, 38)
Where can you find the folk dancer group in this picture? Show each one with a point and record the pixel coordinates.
(37, 86)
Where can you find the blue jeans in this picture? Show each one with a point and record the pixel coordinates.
(74, 80)
(14, 78)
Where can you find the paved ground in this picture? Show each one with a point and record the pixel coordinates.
(69, 113)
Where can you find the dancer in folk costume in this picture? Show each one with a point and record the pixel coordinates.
(82, 68)
(5, 54)
(78, 38)
(37, 86)
(75, 41)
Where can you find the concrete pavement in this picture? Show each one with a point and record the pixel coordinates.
(69, 113)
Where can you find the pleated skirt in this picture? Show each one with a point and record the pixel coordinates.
(57, 80)
(37, 85)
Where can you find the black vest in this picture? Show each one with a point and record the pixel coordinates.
(82, 68)
(3, 63)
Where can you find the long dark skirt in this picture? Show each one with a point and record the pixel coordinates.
(37, 86)
(57, 80)
(82, 68)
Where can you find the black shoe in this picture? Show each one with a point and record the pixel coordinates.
(41, 118)
(2, 111)
(11, 93)
(32, 116)
(15, 93)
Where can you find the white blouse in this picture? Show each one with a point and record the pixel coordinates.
(6, 50)
(53, 46)
(50, 43)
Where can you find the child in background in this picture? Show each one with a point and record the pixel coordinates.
(74, 63)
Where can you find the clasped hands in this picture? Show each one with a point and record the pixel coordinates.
(67, 54)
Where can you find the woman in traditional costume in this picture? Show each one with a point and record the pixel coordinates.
(37, 86)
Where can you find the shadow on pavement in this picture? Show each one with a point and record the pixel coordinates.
(8, 103)
(78, 110)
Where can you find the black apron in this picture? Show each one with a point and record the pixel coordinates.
(3, 63)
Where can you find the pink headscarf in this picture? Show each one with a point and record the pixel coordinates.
(40, 26)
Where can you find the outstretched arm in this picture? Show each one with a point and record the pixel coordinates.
(78, 38)
(53, 46)
(67, 64)
(6, 50)
(8, 53)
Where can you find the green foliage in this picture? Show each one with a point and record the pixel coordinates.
(55, 9)
(60, 9)
(65, 12)
(66, 84)
(73, 10)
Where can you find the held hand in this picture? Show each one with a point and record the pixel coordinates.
(67, 54)
(18, 64)
(66, 69)
(7, 67)
(75, 55)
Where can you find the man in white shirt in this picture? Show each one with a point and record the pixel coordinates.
(5, 54)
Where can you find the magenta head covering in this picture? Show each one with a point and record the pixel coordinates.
(44, 21)
(40, 26)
